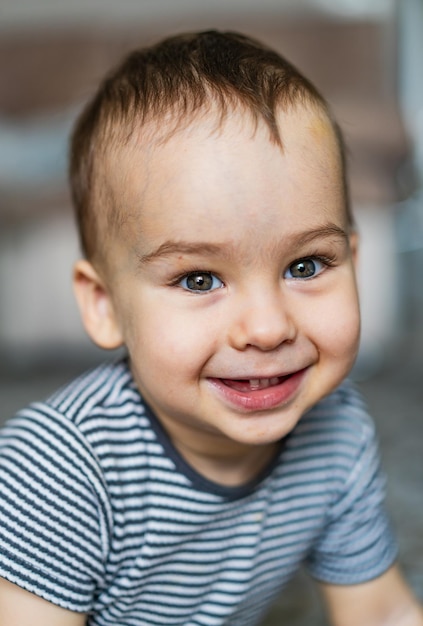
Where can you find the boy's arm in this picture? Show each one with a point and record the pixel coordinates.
(21, 608)
(384, 601)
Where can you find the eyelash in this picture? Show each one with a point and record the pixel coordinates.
(175, 282)
(326, 260)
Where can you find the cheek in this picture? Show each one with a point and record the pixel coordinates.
(335, 326)
(170, 339)
(343, 329)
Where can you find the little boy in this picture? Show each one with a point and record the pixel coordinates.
(186, 483)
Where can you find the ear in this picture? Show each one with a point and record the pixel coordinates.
(354, 241)
(95, 306)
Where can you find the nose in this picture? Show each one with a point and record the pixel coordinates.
(262, 321)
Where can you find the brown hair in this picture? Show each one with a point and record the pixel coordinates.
(177, 77)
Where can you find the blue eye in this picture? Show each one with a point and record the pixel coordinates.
(304, 269)
(200, 282)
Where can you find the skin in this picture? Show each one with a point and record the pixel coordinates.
(207, 291)
(233, 207)
(20, 608)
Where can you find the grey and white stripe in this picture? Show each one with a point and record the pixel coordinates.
(100, 514)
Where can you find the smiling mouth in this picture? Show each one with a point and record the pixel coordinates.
(259, 394)
(254, 384)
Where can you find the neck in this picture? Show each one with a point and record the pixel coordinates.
(228, 470)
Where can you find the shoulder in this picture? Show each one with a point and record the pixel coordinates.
(75, 427)
(356, 541)
(342, 417)
(56, 438)
(55, 444)
(107, 385)
(335, 440)
(59, 419)
(56, 510)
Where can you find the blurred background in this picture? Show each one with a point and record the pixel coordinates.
(366, 57)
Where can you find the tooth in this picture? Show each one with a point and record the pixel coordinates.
(264, 383)
(254, 383)
(274, 380)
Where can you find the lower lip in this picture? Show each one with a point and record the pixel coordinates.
(261, 399)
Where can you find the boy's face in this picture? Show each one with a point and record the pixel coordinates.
(233, 284)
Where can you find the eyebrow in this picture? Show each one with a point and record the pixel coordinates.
(182, 247)
(170, 247)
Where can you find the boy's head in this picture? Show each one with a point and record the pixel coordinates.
(210, 186)
(155, 92)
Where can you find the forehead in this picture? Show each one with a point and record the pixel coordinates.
(209, 171)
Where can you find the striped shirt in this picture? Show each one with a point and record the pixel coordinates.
(100, 514)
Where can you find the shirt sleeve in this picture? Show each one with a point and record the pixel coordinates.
(357, 543)
(54, 518)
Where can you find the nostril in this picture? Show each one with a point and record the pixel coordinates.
(262, 321)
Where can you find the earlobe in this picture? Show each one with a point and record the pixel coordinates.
(354, 241)
(95, 306)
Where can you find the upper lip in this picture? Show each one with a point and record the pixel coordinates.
(260, 376)
(246, 378)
